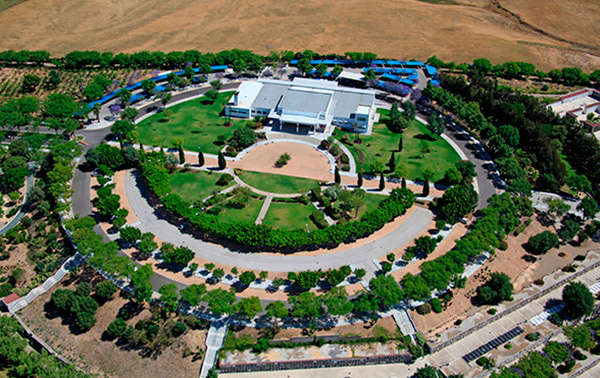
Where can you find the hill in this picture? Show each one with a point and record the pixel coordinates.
(563, 33)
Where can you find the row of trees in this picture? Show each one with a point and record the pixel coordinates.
(482, 105)
(156, 175)
(519, 70)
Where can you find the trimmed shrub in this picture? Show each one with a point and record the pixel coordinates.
(424, 309)
(436, 305)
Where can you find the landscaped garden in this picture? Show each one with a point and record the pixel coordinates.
(274, 183)
(419, 149)
(198, 122)
(197, 185)
(290, 215)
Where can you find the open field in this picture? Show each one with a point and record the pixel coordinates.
(197, 121)
(277, 183)
(195, 185)
(379, 146)
(400, 28)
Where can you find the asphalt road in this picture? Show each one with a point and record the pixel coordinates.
(359, 256)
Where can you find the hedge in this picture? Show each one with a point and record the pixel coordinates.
(261, 236)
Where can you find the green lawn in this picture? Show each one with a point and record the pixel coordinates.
(371, 203)
(277, 183)
(289, 216)
(195, 185)
(379, 145)
(197, 121)
(248, 214)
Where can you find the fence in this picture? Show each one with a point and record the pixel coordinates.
(315, 364)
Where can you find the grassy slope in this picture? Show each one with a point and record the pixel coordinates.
(277, 183)
(380, 144)
(185, 124)
(289, 215)
(195, 185)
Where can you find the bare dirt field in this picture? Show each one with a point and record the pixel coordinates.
(397, 28)
(93, 353)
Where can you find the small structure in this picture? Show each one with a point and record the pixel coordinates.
(316, 104)
(6, 301)
(583, 105)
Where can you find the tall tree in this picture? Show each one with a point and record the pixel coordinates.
(392, 162)
(221, 160)
(359, 182)
(381, 181)
(337, 178)
(200, 159)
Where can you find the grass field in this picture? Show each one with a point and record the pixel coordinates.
(195, 185)
(197, 121)
(371, 202)
(379, 145)
(248, 214)
(277, 183)
(471, 29)
(289, 216)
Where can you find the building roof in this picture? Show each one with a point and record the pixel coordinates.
(305, 100)
(351, 76)
(270, 93)
(247, 93)
(10, 298)
(346, 103)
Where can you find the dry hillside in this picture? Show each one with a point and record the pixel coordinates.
(549, 33)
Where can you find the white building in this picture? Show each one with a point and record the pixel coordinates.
(304, 102)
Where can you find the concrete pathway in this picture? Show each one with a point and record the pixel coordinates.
(358, 256)
(24, 206)
(263, 210)
(214, 341)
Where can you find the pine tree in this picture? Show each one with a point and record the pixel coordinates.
(181, 154)
(221, 160)
(360, 180)
(337, 178)
(381, 181)
(400, 144)
(392, 163)
(403, 183)
(200, 159)
(426, 188)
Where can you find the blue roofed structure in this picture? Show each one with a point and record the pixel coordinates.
(414, 64)
(430, 71)
(391, 77)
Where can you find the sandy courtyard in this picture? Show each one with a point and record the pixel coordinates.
(305, 161)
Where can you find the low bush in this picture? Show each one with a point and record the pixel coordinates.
(318, 219)
(224, 179)
(436, 305)
(424, 309)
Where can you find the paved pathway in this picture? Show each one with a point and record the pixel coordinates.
(263, 210)
(358, 256)
(214, 341)
(24, 207)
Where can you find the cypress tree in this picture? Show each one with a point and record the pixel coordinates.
(392, 163)
(221, 160)
(181, 154)
(426, 188)
(200, 159)
(381, 181)
(403, 183)
(337, 178)
(400, 144)
(360, 180)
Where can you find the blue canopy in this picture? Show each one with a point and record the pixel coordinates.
(407, 82)
(431, 70)
(390, 77)
(414, 64)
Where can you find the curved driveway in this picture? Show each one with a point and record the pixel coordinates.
(359, 256)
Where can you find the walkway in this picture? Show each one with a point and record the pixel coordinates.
(24, 207)
(214, 341)
(359, 256)
(263, 210)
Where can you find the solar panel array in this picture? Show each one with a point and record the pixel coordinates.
(493, 344)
